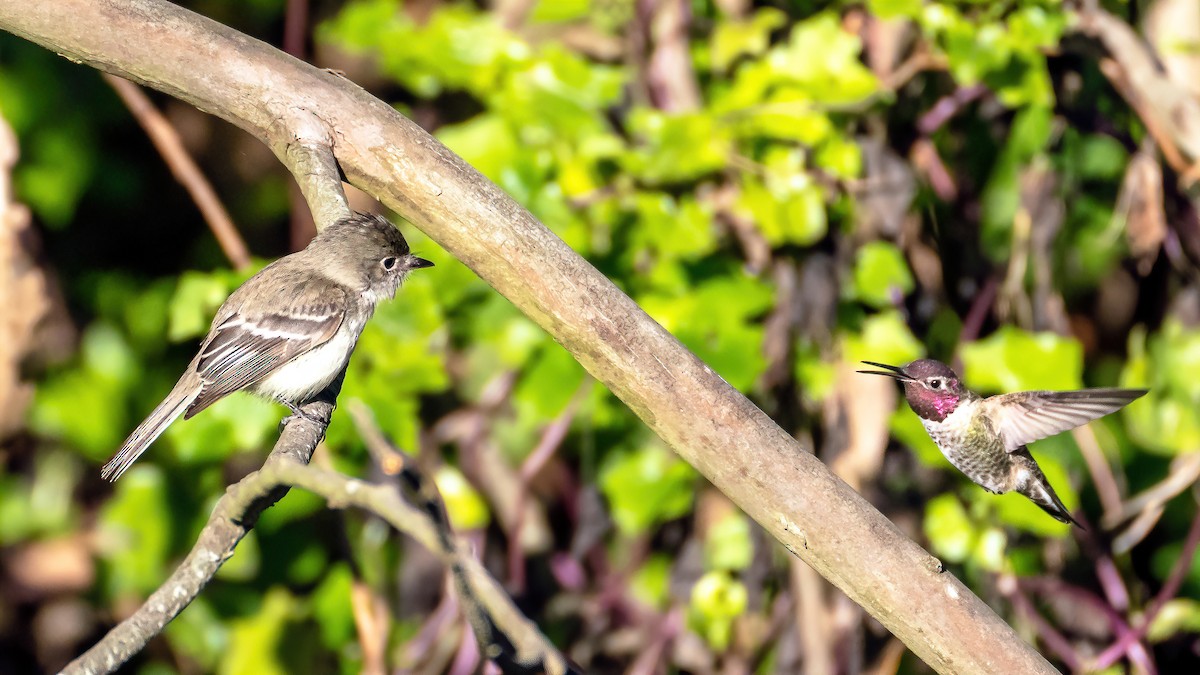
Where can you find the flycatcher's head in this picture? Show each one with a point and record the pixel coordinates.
(932, 388)
(367, 252)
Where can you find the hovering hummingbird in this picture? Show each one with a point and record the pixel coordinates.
(985, 438)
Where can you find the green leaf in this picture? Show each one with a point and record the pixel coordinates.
(199, 633)
(788, 210)
(42, 503)
(135, 545)
(1015, 360)
(1180, 615)
(672, 229)
(718, 322)
(1027, 139)
(464, 505)
(651, 583)
(548, 384)
(84, 405)
(728, 544)
(332, 606)
(255, 641)
(1101, 158)
(884, 338)
(551, 11)
(246, 561)
(676, 148)
(840, 157)
(196, 300)
(1164, 421)
(949, 529)
(881, 275)
(989, 549)
(646, 487)
(736, 38)
(487, 142)
(239, 422)
(717, 599)
(457, 48)
(894, 9)
(837, 77)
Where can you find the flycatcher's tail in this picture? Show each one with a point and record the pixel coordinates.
(148, 431)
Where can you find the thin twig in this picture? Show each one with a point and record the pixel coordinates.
(1185, 471)
(505, 635)
(184, 168)
(920, 60)
(552, 437)
(1098, 467)
(1054, 640)
(1112, 583)
(947, 107)
(372, 621)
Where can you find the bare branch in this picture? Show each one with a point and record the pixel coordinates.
(1170, 112)
(234, 515)
(710, 424)
(184, 168)
(505, 635)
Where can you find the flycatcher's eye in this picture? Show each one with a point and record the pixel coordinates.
(389, 263)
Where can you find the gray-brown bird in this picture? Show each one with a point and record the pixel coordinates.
(986, 438)
(288, 331)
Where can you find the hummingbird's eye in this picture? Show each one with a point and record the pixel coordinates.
(935, 383)
(389, 263)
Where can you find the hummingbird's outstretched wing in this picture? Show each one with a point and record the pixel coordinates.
(1028, 416)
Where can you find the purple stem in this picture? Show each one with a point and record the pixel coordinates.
(552, 438)
(947, 107)
(1053, 639)
(1111, 582)
(1127, 642)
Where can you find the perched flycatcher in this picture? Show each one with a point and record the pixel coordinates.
(289, 330)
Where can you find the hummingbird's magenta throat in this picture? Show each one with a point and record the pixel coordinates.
(944, 405)
(929, 405)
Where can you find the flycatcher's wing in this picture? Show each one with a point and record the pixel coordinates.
(243, 349)
(1029, 416)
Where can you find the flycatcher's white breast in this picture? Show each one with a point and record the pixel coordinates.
(306, 375)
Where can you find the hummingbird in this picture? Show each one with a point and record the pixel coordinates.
(986, 438)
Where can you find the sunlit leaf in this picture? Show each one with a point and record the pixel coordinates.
(881, 275)
(729, 545)
(949, 530)
(646, 487)
(136, 546)
(464, 505)
(1014, 360)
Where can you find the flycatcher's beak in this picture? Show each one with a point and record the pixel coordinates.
(891, 371)
(415, 263)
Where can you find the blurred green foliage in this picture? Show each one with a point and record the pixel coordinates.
(670, 201)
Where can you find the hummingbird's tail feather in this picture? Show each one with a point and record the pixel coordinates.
(1031, 482)
(149, 430)
(1043, 495)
